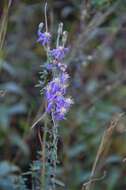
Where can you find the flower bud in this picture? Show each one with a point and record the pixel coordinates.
(40, 27)
(64, 38)
(60, 29)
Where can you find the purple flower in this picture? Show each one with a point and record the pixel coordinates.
(64, 78)
(62, 67)
(44, 38)
(62, 107)
(55, 95)
(59, 53)
(49, 66)
(54, 89)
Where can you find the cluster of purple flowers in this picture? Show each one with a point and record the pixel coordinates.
(55, 94)
(59, 53)
(44, 38)
(55, 91)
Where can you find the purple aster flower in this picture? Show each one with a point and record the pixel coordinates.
(59, 53)
(44, 38)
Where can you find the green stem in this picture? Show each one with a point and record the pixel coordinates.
(54, 150)
(44, 155)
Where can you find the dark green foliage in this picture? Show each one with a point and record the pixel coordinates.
(10, 178)
(101, 3)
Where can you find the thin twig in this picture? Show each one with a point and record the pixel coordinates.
(105, 143)
(93, 180)
(40, 138)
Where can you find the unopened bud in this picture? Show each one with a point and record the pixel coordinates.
(64, 38)
(40, 27)
(89, 57)
(60, 28)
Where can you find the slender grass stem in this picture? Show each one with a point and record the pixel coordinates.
(104, 145)
(3, 24)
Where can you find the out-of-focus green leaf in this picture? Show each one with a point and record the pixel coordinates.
(7, 168)
(7, 111)
(76, 150)
(16, 140)
(113, 159)
(12, 87)
(8, 68)
(19, 108)
(113, 179)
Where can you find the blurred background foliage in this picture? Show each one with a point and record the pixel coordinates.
(97, 65)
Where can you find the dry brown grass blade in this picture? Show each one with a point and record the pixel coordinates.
(103, 149)
(38, 120)
(94, 180)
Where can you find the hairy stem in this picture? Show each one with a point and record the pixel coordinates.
(44, 154)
